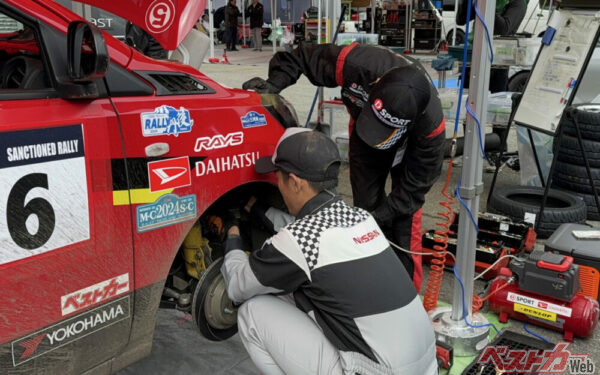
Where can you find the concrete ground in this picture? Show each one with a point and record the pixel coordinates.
(179, 349)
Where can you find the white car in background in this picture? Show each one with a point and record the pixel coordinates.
(534, 22)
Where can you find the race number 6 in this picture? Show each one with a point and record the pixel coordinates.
(18, 212)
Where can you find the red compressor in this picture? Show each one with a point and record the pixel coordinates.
(542, 290)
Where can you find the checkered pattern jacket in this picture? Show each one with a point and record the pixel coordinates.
(340, 268)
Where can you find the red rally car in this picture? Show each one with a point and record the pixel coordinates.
(113, 167)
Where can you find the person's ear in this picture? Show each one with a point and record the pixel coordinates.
(296, 183)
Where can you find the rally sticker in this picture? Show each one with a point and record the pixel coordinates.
(43, 191)
(95, 294)
(219, 141)
(538, 304)
(166, 120)
(160, 15)
(169, 174)
(67, 331)
(226, 163)
(253, 119)
(532, 311)
(167, 210)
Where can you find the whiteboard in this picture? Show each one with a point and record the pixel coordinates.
(557, 69)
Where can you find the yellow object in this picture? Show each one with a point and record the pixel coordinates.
(195, 252)
(536, 313)
(138, 196)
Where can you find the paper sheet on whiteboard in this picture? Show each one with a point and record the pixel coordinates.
(558, 65)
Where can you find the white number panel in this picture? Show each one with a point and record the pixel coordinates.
(43, 191)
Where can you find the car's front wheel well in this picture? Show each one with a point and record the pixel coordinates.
(204, 242)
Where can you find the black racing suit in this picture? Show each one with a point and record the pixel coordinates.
(356, 68)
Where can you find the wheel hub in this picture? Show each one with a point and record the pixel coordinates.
(219, 310)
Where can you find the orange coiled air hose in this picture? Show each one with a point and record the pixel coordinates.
(436, 273)
(478, 301)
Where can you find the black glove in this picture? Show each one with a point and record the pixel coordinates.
(230, 218)
(260, 86)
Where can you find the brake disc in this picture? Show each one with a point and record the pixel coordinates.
(218, 308)
(212, 310)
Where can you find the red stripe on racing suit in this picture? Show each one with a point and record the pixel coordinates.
(339, 66)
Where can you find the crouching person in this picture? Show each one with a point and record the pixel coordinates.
(326, 294)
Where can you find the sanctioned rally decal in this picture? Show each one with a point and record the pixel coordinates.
(43, 191)
(253, 119)
(94, 294)
(67, 331)
(166, 120)
(167, 210)
(169, 174)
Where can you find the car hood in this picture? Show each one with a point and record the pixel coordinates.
(168, 21)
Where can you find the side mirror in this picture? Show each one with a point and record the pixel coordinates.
(86, 52)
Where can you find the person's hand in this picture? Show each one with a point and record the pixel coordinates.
(248, 206)
(233, 231)
(260, 86)
(231, 221)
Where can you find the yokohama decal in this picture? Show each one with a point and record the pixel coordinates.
(68, 331)
(95, 294)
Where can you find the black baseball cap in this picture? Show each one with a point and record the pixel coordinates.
(308, 154)
(395, 103)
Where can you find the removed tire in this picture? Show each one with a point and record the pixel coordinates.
(592, 209)
(516, 201)
(574, 184)
(517, 82)
(589, 122)
(212, 310)
(577, 170)
(568, 151)
(460, 37)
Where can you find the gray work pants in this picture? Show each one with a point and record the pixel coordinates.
(283, 340)
(256, 33)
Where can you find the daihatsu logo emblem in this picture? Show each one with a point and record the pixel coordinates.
(169, 174)
(160, 15)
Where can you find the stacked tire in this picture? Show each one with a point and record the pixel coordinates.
(569, 172)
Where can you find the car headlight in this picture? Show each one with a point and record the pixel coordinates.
(281, 109)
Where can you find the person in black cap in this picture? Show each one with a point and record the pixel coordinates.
(400, 130)
(346, 305)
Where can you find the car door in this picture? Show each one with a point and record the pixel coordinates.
(65, 249)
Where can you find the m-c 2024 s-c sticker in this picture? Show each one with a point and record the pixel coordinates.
(166, 120)
(167, 210)
(43, 191)
(65, 332)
